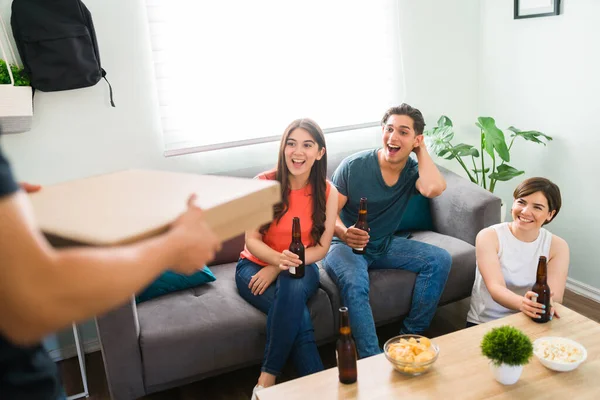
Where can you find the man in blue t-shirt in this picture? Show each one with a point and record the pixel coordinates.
(387, 177)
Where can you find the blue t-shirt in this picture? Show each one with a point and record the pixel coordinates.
(359, 175)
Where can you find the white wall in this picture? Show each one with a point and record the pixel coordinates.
(542, 74)
(76, 133)
(440, 40)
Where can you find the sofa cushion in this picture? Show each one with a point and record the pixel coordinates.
(462, 274)
(391, 290)
(417, 216)
(169, 282)
(204, 330)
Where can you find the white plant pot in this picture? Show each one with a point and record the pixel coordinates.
(506, 374)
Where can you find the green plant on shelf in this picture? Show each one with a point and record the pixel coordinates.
(21, 79)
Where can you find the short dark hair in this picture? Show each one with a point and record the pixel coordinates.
(549, 189)
(413, 113)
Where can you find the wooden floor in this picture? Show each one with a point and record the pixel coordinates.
(239, 384)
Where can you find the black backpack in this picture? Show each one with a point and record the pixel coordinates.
(57, 44)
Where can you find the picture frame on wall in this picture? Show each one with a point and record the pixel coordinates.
(536, 8)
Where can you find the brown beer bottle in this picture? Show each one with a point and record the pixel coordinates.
(542, 289)
(297, 247)
(362, 222)
(346, 350)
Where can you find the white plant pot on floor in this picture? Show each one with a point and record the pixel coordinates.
(506, 374)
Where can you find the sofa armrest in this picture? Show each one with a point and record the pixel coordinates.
(464, 208)
(119, 331)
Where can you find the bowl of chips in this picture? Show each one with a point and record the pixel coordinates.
(559, 353)
(411, 354)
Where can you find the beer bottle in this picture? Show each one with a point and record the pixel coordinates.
(542, 289)
(361, 223)
(297, 247)
(346, 350)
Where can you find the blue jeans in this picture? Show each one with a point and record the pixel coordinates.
(289, 327)
(351, 274)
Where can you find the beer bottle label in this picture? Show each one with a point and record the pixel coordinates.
(293, 270)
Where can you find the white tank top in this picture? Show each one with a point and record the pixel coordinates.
(518, 261)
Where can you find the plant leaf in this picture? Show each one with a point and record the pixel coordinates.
(476, 170)
(505, 172)
(464, 150)
(532, 136)
(494, 138)
(439, 132)
(445, 133)
(439, 139)
(446, 153)
(444, 121)
(435, 145)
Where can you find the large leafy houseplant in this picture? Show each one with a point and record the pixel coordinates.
(492, 141)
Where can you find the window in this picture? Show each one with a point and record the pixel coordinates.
(231, 73)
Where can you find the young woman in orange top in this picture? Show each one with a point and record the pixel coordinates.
(262, 275)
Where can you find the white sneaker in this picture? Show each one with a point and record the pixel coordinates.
(256, 389)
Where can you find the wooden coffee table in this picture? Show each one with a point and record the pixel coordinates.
(462, 372)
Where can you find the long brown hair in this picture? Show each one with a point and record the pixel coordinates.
(317, 179)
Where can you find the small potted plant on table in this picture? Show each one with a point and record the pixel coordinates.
(509, 350)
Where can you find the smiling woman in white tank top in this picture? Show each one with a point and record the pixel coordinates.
(508, 254)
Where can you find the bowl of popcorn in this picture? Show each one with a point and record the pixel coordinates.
(411, 354)
(558, 353)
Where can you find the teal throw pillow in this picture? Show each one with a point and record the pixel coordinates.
(417, 216)
(170, 282)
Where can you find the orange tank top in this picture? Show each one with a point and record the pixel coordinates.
(279, 235)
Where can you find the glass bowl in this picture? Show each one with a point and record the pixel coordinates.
(399, 355)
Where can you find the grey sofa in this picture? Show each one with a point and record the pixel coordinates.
(206, 331)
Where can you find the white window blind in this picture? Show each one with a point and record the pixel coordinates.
(231, 73)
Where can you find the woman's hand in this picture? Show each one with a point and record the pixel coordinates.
(530, 306)
(289, 259)
(263, 279)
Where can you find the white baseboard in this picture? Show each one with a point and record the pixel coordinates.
(583, 289)
(70, 351)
